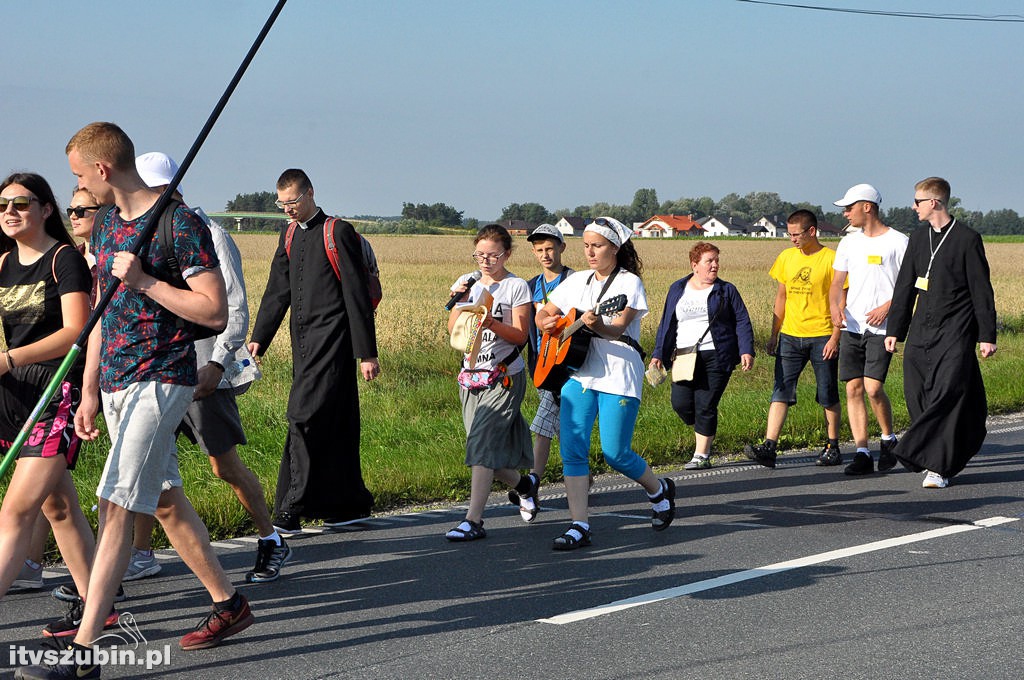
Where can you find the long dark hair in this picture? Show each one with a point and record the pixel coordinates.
(54, 225)
(627, 258)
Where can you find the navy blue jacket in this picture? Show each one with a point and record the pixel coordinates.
(731, 329)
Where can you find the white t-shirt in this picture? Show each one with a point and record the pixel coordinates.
(610, 367)
(692, 318)
(508, 293)
(872, 264)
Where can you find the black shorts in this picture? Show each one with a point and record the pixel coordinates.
(863, 355)
(214, 423)
(54, 433)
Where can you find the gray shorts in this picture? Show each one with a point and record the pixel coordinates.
(213, 423)
(545, 423)
(863, 355)
(142, 420)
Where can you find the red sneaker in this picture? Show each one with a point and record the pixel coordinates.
(219, 625)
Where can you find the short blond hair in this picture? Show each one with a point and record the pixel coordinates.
(104, 142)
(938, 187)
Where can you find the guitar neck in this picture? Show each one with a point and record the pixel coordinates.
(570, 329)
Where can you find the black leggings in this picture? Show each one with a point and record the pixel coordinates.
(696, 401)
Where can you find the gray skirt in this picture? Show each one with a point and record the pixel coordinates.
(497, 435)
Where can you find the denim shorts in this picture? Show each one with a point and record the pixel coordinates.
(791, 356)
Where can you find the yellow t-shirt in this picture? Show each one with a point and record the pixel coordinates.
(807, 279)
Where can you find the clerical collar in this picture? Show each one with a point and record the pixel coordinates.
(944, 227)
(312, 222)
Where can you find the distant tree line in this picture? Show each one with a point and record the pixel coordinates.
(425, 218)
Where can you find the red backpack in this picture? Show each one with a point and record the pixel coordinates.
(369, 258)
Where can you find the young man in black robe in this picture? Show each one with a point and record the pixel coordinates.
(331, 324)
(946, 274)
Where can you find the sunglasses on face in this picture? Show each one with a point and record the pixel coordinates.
(20, 203)
(81, 210)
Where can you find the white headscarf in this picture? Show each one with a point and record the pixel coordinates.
(611, 229)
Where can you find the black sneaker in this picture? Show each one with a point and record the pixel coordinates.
(69, 593)
(861, 465)
(85, 670)
(830, 455)
(660, 519)
(287, 525)
(343, 520)
(762, 453)
(67, 625)
(270, 557)
(886, 456)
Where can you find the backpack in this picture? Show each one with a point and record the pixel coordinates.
(331, 248)
(165, 233)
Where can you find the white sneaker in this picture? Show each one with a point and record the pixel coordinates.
(29, 578)
(141, 566)
(933, 480)
(698, 462)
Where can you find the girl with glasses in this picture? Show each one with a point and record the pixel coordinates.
(493, 382)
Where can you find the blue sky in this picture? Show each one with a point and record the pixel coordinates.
(483, 104)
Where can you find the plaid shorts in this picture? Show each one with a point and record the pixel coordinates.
(545, 423)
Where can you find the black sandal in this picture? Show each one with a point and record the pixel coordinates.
(660, 520)
(568, 541)
(466, 531)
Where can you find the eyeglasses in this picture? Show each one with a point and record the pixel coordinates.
(602, 222)
(20, 203)
(284, 204)
(80, 210)
(485, 257)
(919, 201)
(798, 234)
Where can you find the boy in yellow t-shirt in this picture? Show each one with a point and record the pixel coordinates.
(802, 331)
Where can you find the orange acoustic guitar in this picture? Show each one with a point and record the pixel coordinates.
(563, 349)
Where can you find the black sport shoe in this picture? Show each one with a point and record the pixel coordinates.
(886, 456)
(287, 524)
(84, 670)
(270, 557)
(67, 625)
(762, 453)
(660, 519)
(861, 465)
(68, 593)
(344, 520)
(830, 455)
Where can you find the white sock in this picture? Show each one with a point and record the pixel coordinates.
(865, 450)
(662, 505)
(575, 533)
(888, 437)
(275, 537)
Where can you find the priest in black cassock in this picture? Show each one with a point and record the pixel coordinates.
(331, 324)
(946, 274)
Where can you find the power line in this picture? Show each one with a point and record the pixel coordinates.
(995, 18)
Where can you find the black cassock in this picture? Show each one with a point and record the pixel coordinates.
(331, 324)
(941, 378)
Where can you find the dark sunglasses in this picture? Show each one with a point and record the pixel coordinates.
(602, 222)
(919, 201)
(80, 211)
(20, 203)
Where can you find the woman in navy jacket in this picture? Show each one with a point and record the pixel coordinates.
(694, 303)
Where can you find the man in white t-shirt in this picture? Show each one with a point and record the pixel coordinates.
(870, 260)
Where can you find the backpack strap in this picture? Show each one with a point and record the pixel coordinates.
(289, 234)
(165, 232)
(53, 262)
(330, 246)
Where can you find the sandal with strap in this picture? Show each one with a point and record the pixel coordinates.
(661, 519)
(466, 531)
(569, 540)
(527, 512)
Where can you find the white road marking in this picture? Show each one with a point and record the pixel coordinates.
(767, 570)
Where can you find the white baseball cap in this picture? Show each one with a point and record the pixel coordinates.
(545, 231)
(157, 169)
(860, 192)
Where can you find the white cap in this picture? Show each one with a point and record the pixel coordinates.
(157, 169)
(544, 231)
(861, 192)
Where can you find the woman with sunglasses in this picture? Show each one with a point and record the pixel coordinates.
(492, 384)
(44, 303)
(608, 384)
(81, 213)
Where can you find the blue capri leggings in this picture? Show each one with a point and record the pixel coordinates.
(580, 407)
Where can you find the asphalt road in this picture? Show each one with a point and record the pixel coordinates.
(798, 572)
